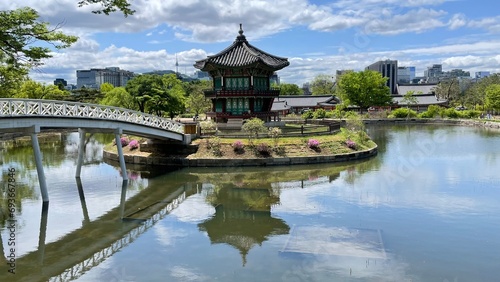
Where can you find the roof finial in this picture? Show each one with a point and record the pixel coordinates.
(241, 37)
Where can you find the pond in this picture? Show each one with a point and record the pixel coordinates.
(426, 208)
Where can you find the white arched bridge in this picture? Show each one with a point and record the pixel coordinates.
(30, 116)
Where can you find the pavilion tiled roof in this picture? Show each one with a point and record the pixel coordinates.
(242, 54)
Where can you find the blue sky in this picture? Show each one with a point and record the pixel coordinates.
(318, 37)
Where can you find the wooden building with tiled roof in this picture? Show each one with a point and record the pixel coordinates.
(241, 81)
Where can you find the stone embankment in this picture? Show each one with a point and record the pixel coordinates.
(224, 162)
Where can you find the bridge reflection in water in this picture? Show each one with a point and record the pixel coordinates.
(79, 251)
(243, 219)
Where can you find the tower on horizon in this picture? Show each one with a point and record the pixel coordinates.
(176, 64)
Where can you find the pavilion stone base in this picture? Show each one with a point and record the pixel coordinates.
(167, 147)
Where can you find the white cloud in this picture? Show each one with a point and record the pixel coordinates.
(491, 24)
(457, 21)
(416, 21)
(165, 22)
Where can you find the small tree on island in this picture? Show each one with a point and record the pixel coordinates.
(275, 134)
(253, 127)
(409, 99)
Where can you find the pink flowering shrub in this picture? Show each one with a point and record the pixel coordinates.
(263, 149)
(124, 141)
(134, 144)
(351, 144)
(238, 146)
(313, 144)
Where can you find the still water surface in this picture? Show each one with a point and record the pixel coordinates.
(426, 208)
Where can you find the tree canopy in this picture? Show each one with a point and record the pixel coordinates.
(118, 97)
(109, 6)
(290, 89)
(493, 97)
(196, 102)
(157, 94)
(364, 89)
(20, 32)
(454, 90)
(476, 94)
(35, 90)
(323, 85)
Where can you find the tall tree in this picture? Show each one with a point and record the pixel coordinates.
(476, 94)
(141, 89)
(157, 94)
(448, 89)
(35, 90)
(364, 89)
(20, 32)
(290, 89)
(172, 92)
(119, 97)
(196, 102)
(323, 85)
(493, 97)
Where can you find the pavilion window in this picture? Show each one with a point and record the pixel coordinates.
(218, 83)
(218, 106)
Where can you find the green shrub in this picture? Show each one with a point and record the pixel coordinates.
(319, 113)
(469, 114)
(451, 113)
(308, 115)
(350, 115)
(432, 112)
(403, 113)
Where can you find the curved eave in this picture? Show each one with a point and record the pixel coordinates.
(242, 55)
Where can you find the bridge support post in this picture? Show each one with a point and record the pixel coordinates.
(119, 149)
(81, 150)
(39, 165)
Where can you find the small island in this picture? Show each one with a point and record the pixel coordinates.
(258, 146)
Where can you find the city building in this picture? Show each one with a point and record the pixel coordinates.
(406, 74)
(457, 73)
(62, 81)
(274, 79)
(389, 69)
(435, 70)
(306, 87)
(241, 78)
(94, 78)
(482, 74)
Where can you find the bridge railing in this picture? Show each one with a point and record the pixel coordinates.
(51, 108)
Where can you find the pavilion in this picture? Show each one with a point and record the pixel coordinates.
(241, 82)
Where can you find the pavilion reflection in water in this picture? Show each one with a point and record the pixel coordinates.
(243, 217)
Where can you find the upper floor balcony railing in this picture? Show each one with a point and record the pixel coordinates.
(242, 93)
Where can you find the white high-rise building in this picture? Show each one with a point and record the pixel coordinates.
(94, 78)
